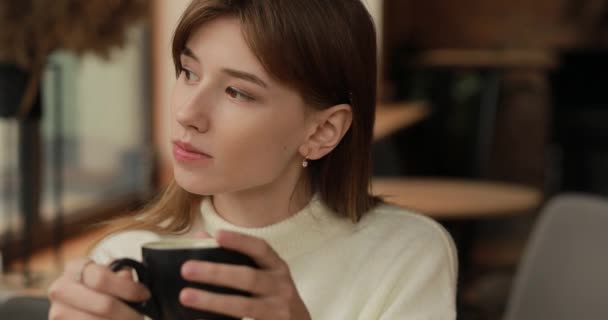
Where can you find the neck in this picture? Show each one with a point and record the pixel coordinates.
(266, 205)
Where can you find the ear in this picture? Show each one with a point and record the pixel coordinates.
(328, 128)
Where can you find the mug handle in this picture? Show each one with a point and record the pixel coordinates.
(149, 307)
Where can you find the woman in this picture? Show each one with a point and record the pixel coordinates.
(272, 118)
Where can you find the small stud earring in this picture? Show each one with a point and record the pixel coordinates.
(305, 163)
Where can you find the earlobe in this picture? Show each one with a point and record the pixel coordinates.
(332, 125)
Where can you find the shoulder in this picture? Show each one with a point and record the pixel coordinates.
(415, 256)
(410, 234)
(125, 244)
(404, 222)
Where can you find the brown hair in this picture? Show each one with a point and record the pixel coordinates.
(325, 50)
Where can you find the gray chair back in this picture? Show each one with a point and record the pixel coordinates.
(25, 308)
(564, 271)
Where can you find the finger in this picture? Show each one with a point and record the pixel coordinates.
(60, 311)
(242, 278)
(125, 274)
(76, 296)
(75, 267)
(254, 247)
(102, 279)
(202, 235)
(231, 305)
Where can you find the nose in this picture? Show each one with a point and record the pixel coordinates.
(193, 114)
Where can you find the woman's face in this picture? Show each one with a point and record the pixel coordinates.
(233, 127)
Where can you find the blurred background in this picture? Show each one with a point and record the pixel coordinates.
(492, 116)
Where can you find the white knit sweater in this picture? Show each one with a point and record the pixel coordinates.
(393, 264)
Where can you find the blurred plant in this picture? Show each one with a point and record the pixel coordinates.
(31, 29)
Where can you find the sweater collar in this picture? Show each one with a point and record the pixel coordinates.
(304, 231)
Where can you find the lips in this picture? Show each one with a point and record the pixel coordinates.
(184, 151)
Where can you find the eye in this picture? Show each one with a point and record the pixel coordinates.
(236, 94)
(190, 76)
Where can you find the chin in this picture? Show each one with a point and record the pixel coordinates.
(205, 184)
(194, 184)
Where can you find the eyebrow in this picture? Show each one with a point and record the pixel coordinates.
(245, 76)
(188, 53)
(231, 72)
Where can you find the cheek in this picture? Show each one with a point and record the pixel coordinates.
(261, 148)
(247, 159)
(268, 145)
(251, 148)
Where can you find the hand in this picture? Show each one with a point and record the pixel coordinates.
(274, 293)
(97, 296)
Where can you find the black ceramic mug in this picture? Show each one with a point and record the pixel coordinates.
(160, 272)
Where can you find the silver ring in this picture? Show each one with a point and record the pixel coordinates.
(80, 274)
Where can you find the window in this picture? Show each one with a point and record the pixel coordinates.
(95, 136)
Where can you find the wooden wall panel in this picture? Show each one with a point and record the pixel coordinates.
(492, 23)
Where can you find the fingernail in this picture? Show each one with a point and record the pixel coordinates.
(189, 270)
(187, 296)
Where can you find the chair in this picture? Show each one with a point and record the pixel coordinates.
(564, 271)
(25, 308)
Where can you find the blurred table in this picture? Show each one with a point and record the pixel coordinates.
(391, 117)
(453, 199)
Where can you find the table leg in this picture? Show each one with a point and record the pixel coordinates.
(490, 97)
(464, 235)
